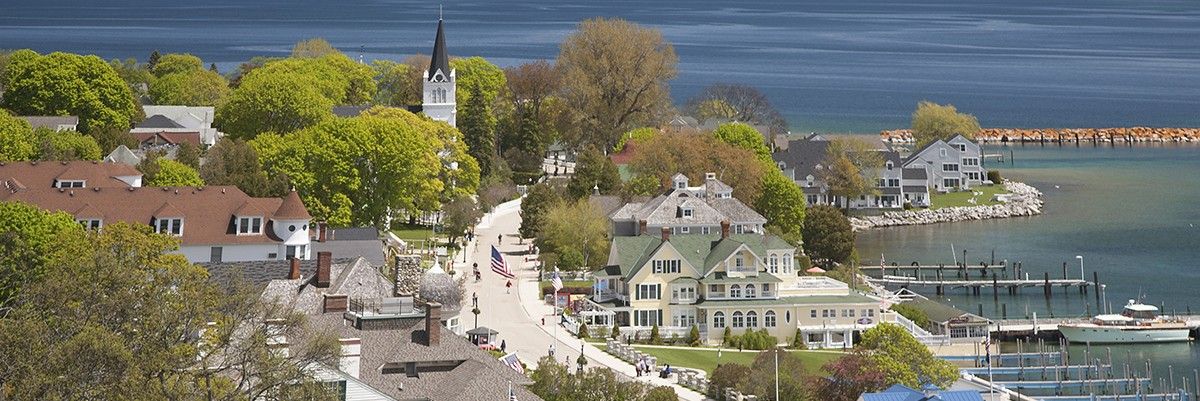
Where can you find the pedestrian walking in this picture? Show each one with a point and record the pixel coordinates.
(475, 298)
(503, 345)
(508, 287)
(499, 239)
(551, 350)
(543, 320)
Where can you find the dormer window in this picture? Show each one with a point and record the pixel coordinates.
(172, 226)
(249, 225)
(889, 166)
(91, 224)
(687, 212)
(71, 183)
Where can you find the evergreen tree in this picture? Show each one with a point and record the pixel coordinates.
(594, 171)
(478, 127)
(213, 67)
(153, 61)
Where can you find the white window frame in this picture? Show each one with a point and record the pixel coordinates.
(774, 263)
(769, 319)
(649, 291)
(751, 291)
(751, 319)
(246, 225)
(737, 321)
(705, 230)
(683, 293)
(735, 291)
(685, 230)
(91, 224)
(718, 320)
(683, 318)
(687, 212)
(970, 161)
(173, 226)
(647, 317)
(71, 184)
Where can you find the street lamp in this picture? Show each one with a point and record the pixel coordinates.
(476, 312)
(581, 360)
(1080, 257)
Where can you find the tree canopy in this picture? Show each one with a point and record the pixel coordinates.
(636, 136)
(553, 381)
(60, 84)
(16, 139)
(478, 127)
(338, 78)
(932, 121)
(197, 87)
(851, 168)
(477, 74)
(577, 232)
(746, 137)
(279, 103)
(903, 359)
(593, 171)
(828, 237)
(782, 203)
(848, 378)
(234, 162)
(65, 145)
(540, 199)
(28, 238)
(666, 154)
(176, 63)
(170, 173)
(739, 103)
(615, 76)
(313, 48)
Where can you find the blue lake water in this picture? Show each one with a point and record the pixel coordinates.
(850, 66)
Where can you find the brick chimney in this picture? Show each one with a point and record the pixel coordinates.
(724, 229)
(642, 227)
(294, 274)
(323, 261)
(433, 323)
(335, 303)
(666, 234)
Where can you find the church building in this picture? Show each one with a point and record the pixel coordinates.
(438, 87)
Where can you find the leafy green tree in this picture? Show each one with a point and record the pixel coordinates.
(903, 359)
(235, 162)
(478, 127)
(461, 214)
(694, 155)
(137, 76)
(638, 135)
(693, 338)
(176, 63)
(851, 168)
(932, 121)
(593, 171)
(65, 145)
(398, 87)
(615, 76)
(337, 77)
(579, 227)
(917, 316)
(849, 377)
(828, 237)
(655, 337)
(256, 62)
(190, 88)
(67, 84)
(459, 172)
(641, 185)
(477, 74)
(793, 376)
(170, 173)
(117, 313)
(29, 238)
(355, 171)
(727, 375)
(313, 48)
(188, 154)
(109, 138)
(278, 103)
(746, 137)
(782, 203)
(554, 381)
(538, 201)
(17, 141)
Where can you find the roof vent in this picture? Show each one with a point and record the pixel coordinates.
(222, 190)
(176, 191)
(72, 193)
(60, 190)
(130, 189)
(95, 189)
(64, 162)
(95, 162)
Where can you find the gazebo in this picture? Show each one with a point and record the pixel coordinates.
(482, 335)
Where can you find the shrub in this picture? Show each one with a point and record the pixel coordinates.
(916, 315)
(655, 338)
(798, 341)
(583, 330)
(994, 176)
(693, 338)
(674, 338)
(728, 375)
(726, 336)
(753, 340)
(616, 332)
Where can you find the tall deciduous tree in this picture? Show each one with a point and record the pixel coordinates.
(462, 213)
(782, 203)
(615, 76)
(738, 102)
(727, 375)
(170, 173)
(579, 228)
(636, 135)
(117, 313)
(476, 73)
(848, 378)
(234, 162)
(903, 359)
(851, 168)
(397, 86)
(792, 375)
(932, 121)
(593, 172)
(65, 145)
(137, 76)
(669, 153)
(313, 48)
(188, 154)
(554, 381)
(67, 84)
(459, 172)
(176, 63)
(28, 240)
(828, 237)
(16, 139)
(540, 199)
(191, 88)
(746, 137)
(478, 127)
(337, 77)
(278, 103)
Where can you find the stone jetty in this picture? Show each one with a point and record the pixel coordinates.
(1024, 200)
(1068, 135)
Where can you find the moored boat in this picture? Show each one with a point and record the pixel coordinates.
(1137, 323)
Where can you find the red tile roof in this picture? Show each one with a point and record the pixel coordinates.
(208, 212)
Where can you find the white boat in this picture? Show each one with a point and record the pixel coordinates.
(1137, 323)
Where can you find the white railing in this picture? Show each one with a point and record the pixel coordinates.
(679, 300)
(604, 295)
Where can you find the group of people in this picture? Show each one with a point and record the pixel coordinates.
(643, 368)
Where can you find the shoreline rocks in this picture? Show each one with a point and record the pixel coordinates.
(1068, 135)
(1025, 200)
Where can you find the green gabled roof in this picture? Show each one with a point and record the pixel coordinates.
(852, 298)
(702, 251)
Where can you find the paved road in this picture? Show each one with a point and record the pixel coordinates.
(517, 313)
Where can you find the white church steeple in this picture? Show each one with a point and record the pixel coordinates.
(439, 84)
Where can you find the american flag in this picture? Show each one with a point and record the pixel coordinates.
(498, 264)
(556, 281)
(512, 362)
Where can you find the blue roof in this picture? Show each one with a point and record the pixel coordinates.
(900, 392)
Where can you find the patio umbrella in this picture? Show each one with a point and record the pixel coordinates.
(815, 270)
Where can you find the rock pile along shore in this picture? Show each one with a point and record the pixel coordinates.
(1068, 135)
(1024, 200)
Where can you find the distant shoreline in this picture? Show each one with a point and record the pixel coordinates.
(1126, 135)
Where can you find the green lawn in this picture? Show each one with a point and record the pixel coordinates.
(706, 358)
(569, 283)
(408, 232)
(953, 199)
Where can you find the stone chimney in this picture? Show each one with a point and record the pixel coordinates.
(294, 274)
(351, 356)
(724, 229)
(666, 234)
(335, 303)
(642, 227)
(323, 261)
(433, 324)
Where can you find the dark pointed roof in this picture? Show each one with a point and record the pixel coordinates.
(440, 59)
(292, 208)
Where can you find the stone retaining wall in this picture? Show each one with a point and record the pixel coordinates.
(1068, 135)
(1025, 200)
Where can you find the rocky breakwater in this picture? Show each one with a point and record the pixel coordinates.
(1068, 135)
(1022, 200)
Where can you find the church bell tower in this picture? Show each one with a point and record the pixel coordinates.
(437, 100)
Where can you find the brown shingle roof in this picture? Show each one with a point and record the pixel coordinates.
(207, 211)
(292, 208)
(166, 138)
(43, 174)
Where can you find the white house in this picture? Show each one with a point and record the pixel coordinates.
(179, 119)
(950, 165)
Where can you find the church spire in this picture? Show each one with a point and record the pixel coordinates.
(439, 63)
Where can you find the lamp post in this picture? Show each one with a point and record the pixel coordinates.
(1080, 257)
(476, 312)
(581, 361)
